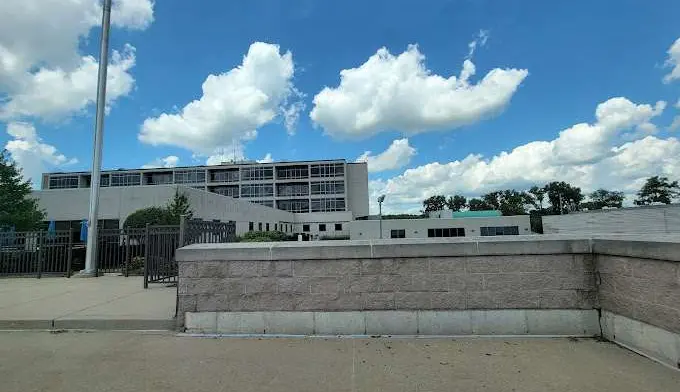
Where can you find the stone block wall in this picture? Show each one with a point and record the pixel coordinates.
(294, 279)
(647, 290)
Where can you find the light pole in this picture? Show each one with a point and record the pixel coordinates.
(91, 250)
(381, 199)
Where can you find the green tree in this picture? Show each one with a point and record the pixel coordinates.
(602, 198)
(476, 204)
(508, 202)
(178, 206)
(434, 203)
(538, 195)
(151, 215)
(456, 202)
(658, 190)
(17, 208)
(563, 196)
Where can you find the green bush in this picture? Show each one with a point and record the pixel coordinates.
(264, 236)
(150, 215)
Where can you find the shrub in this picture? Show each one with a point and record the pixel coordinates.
(150, 215)
(264, 236)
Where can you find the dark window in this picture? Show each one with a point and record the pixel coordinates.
(305, 228)
(300, 205)
(399, 233)
(267, 227)
(292, 172)
(325, 205)
(338, 227)
(63, 182)
(189, 176)
(499, 230)
(257, 173)
(230, 175)
(276, 227)
(125, 179)
(446, 232)
(292, 189)
(259, 226)
(251, 226)
(322, 227)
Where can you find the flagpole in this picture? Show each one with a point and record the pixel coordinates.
(91, 250)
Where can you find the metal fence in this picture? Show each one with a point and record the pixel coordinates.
(121, 251)
(160, 264)
(36, 253)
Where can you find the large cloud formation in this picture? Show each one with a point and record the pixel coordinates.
(587, 155)
(233, 106)
(390, 92)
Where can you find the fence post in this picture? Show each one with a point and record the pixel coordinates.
(126, 237)
(69, 257)
(39, 245)
(146, 257)
(182, 229)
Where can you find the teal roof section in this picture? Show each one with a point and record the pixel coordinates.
(476, 214)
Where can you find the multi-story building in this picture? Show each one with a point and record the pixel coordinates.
(314, 191)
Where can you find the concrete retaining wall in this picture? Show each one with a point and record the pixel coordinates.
(512, 285)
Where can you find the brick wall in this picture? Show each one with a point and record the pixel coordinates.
(643, 289)
(547, 281)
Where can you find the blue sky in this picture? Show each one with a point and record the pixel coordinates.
(548, 66)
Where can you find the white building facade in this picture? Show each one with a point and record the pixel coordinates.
(318, 198)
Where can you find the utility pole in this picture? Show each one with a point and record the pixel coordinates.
(91, 251)
(381, 199)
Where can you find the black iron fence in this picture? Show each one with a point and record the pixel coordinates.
(121, 251)
(146, 251)
(36, 253)
(160, 263)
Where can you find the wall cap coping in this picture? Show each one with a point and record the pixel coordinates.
(386, 248)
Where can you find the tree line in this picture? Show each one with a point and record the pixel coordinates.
(554, 198)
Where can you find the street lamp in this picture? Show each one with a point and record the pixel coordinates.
(381, 199)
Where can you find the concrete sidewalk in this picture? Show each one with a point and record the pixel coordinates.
(108, 302)
(137, 361)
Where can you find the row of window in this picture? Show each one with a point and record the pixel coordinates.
(284, 227)
(194, 176)
(498, 230)
(322, 227)
(446, 232)
(257, 190)
(328, 205)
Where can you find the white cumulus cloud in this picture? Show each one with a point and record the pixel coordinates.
(30, 153)
(399, 93)
(51, 93)
(42, 72)
(397, 155)
(587, 155)
(233, 106)
(673, 62)
(166, 162)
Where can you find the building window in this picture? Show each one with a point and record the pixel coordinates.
(259, 226)
(276, 227)
(301, 205)
(338, 227)
(190, 176)
(257, 190)
(257, 173)
(251, 226)
(292, 172)
(267, 227)
(446, 232)
(326, 205)
(322, 227)
(231, 191)
(305, 228)
(63, 182)
(328, 187)
(293, 189)
(399, 233)
(328, 170)
(125, 179)
(498, 230)
(157, 178)
(266, 203)
(230, 175)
